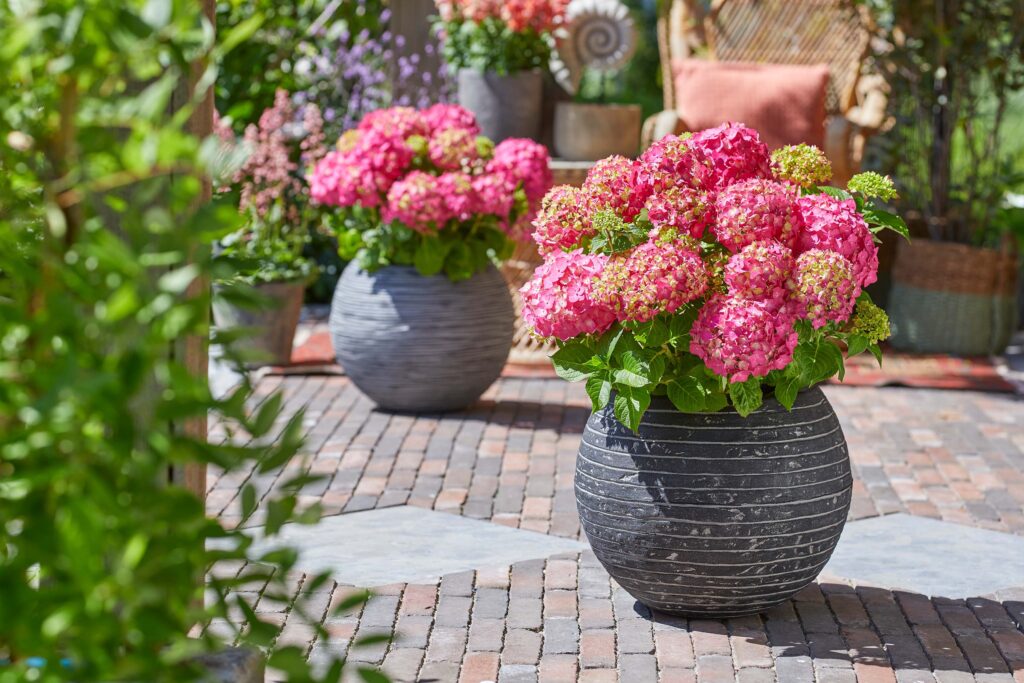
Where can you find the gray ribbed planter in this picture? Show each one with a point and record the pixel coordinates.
(715, 515)
(505, 106)
(274, 327)
(588, 132)
(414, 343)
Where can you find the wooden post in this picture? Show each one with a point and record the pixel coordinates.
(193, 350)
(411, 20)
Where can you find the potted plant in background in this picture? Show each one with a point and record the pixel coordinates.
(498, 52)
(268, 250)
(599, 38)
(702, 292)
(422, 319)
(954, 69)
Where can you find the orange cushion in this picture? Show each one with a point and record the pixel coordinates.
(784, 102)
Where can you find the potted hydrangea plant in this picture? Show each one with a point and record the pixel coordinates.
(498, 51)
(421, 318)
(268, 251)
(702, 292)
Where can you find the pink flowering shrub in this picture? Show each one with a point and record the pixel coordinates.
(503, 36)
(708, 272)
(272, 193)
(422, 188)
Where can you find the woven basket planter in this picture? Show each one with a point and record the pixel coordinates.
(952, 298)
(715, 515)
(414, 343)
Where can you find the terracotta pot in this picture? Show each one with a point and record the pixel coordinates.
(588, 132)
(273, 327)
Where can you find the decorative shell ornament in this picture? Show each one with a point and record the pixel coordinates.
(598, 34)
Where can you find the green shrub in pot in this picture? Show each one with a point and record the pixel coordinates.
(956, 73)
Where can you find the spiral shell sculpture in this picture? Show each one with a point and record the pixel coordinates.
(599, 35)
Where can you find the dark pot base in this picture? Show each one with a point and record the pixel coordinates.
(715, 515)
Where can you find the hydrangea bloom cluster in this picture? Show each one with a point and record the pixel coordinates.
(427, 169)
(559, 301)
(711, 223)
(655, 277)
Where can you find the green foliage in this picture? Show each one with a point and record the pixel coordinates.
(956, 73)
(280, 33)
(632, 362)
(459, 251)
(491, 46)
(268, 250)
(104, 263)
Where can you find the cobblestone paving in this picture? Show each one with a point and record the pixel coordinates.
(955, 456)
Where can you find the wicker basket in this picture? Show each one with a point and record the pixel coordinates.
(526, 348)
(952, 298)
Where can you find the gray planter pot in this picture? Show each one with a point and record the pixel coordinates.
(715, 515)
(273, 327)
(414, 343)
(588, 132)
(505, 106)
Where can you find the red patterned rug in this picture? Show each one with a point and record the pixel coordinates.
(313, 354)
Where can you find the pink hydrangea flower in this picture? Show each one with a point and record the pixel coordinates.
(608, 187)
(440, 117)
(834, 224)
(523, 161)
(452, 149)
(756, 210)
(418, 202)
(339, 179)
(655, 277)
(824, 288)
(459, 196)
(742, 338)
(402, 122)
(558, 301)
(760, 271)
(670, 162)
(561, 224)
(493, 194)
(687, 210)
(736, 153)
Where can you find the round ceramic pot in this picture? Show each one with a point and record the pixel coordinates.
(506, 106)
(273, 327)
(415, 343)
(715, 515)
(588, 132)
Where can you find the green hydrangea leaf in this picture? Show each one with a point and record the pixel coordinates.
(599, 389)
(746, 396)
(687, 394)
(630, 406)
(574, 362)
(633, 373)
(856, 344)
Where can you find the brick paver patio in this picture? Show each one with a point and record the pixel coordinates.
(955, 456)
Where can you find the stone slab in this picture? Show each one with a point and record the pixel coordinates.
(928, 556)
(406, 544)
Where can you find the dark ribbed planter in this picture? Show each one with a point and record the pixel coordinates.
(506, 106)
(273, 327)
(414, 343)
(715, 515)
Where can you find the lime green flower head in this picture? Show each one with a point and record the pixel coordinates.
(871, 184)
(804, 165)
(870, 321)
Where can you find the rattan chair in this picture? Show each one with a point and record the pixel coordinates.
(833, 32)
